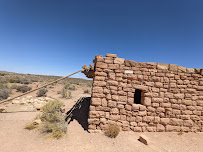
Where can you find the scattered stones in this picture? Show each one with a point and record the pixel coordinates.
(37, 102)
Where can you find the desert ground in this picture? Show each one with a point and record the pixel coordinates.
(14, 138)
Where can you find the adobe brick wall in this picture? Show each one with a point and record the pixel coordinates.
(172, 98)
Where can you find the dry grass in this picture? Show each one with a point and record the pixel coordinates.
(112, 131)
(54, 130)
(30, 126)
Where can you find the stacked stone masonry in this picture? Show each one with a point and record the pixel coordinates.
(172, 96)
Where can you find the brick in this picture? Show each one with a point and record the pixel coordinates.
(162, 66)
(119, 61)
(99, 83)
(182, 69)
(112, 83)
(114, 111)
(172, 128)
(187, 102)
(188, 123)
(158, 84)
(157, 100)
(97, 90)
(164, 121)
(160, 128)
(104, 102)
(178, 96)
(123, 98)
(113, 66)
(98, 95)
(115, 97)
(111, 55)
(173, 67)
(112, 104)
(114, 117)
(96, 101)
(100, 74)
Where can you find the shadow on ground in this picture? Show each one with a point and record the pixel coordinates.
(80, 112)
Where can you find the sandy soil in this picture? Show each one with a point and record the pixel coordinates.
(14, 138)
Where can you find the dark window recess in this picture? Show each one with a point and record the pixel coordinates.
(138, 96)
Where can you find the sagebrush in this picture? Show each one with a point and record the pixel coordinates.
(42, 92)
(112, 131)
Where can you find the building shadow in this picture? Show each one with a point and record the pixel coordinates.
(80, 112)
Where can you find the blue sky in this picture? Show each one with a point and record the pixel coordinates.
(57, 37)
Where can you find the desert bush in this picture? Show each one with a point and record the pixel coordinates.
(23, 89)
(24, 81)
(69, 95)
(86, 91)
(42, 92)
(54, 130)
(4, 93)
(2, 74)
(14, 86)
(112, 131)
(53, 120)
(14, 80)
(52, 111)
(3, 85)
(70, 87)
(64, 93)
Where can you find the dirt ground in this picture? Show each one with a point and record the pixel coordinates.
(14, 138)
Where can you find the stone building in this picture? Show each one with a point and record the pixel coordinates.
(145, 97)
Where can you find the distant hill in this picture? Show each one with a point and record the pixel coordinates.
(10, 76)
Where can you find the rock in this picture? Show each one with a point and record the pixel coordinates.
(37, 122)
(143, 139)
(2, 109)
(15, 101)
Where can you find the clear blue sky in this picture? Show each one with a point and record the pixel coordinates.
(57, 37)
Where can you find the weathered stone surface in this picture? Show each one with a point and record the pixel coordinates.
(182, 69)
(173, 67)
(99, 83)
(101, 65)
(96, 101)
(112, 83)
(162, 66)
(111, 55)
(113, 66)
(119, 61)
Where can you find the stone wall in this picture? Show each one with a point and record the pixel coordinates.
(172, 96)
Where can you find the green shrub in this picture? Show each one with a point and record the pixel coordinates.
(112, 131)
(23, 89)
(4, 93)
(42, 92)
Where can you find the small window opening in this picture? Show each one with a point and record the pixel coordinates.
(138, 96)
